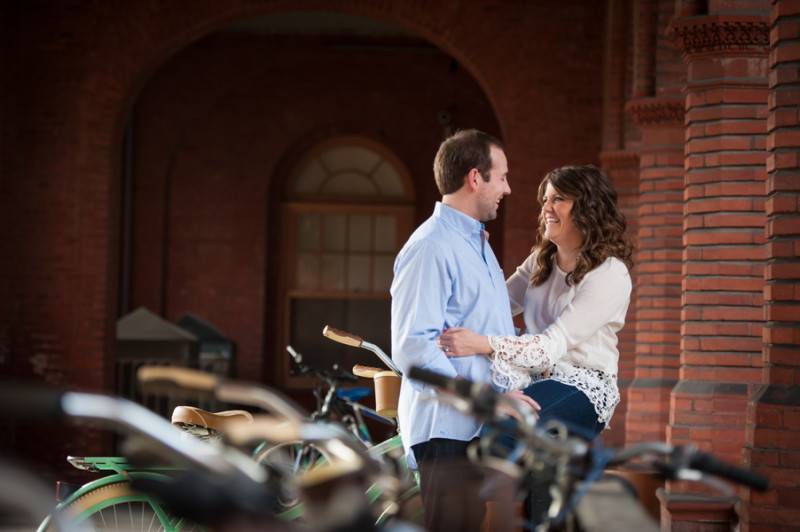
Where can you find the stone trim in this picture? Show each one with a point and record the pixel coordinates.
(653, 383)
(710, 388)
(776, 394)
(658, 111)
(711, 34)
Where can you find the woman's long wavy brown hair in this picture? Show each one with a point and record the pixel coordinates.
(596, 215)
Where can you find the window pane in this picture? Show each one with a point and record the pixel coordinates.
(332, 272)
(358, 273)
(350, 184)
(360, 229)
(388, 180)
(310, 178)
(307, 273)
(366, 318)
(333, 232)
(355, 158)
(385, 233)
(308, 232)
(382, 274)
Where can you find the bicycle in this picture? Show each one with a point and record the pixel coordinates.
(337, 404)
(378, 474)
(115, 500)
(577, 464)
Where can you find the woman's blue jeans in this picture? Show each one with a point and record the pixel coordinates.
(564, 403)
(568, 404)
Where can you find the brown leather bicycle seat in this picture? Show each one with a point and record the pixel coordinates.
(191, 415)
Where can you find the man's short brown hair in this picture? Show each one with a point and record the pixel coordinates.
(460, 153)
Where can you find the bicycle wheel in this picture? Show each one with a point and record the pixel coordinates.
(117, 507)
(291, 459)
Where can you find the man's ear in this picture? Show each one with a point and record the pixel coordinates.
(471, 179)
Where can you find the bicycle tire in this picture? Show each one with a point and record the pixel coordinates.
(288, 452)
(116, 505)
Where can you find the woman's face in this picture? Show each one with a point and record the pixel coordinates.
(557, 213)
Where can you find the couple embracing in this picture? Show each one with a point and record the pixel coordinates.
(452, 313)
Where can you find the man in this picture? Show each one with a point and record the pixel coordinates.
(445, 276)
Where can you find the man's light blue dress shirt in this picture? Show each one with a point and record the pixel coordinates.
(445, 276)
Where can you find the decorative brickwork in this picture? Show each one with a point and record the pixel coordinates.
(657, 112)
(712, 34)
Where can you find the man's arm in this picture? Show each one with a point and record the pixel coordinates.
(421, 288)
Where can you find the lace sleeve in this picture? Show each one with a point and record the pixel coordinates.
(516, 357)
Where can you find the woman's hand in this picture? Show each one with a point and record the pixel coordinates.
(459, 342)
(526, 401)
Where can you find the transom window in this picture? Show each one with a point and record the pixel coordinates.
(347, 213)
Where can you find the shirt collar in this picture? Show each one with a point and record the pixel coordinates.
(466, 225)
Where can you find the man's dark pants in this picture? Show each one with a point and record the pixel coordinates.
(450, 485)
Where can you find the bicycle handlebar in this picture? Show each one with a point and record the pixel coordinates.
(712, 465)
(343, 337)
(192, 379)
(224, 390)
(347, 338)
(27, 401)
(482, 400)
(30, 400)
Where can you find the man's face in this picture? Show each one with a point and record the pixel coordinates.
(491, 192)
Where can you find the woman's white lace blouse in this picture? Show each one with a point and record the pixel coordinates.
(572, 332)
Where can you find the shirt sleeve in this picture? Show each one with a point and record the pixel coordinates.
(517, 284)
(421, 289)
(600, 298)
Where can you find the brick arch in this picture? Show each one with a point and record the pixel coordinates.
(217, 16)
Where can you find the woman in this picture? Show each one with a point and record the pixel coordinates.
(574, 291)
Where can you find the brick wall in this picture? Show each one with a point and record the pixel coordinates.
(78, 70)
(773, 436)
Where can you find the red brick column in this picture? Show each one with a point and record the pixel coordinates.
(773, 415)
(723, 237)
(657, 108)
(658, 266)
(723, 233)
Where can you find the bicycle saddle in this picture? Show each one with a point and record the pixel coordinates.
(191, 415)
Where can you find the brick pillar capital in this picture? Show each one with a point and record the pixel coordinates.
(728, 34)
(657, 111)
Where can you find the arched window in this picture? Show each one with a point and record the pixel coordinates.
(348, 210)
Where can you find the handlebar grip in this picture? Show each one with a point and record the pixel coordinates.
(461, 387)
(429, 377)
(367, 372)
(191, 379)
(343, 337)
(264, 428)
(30, 400)
(709, 464)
